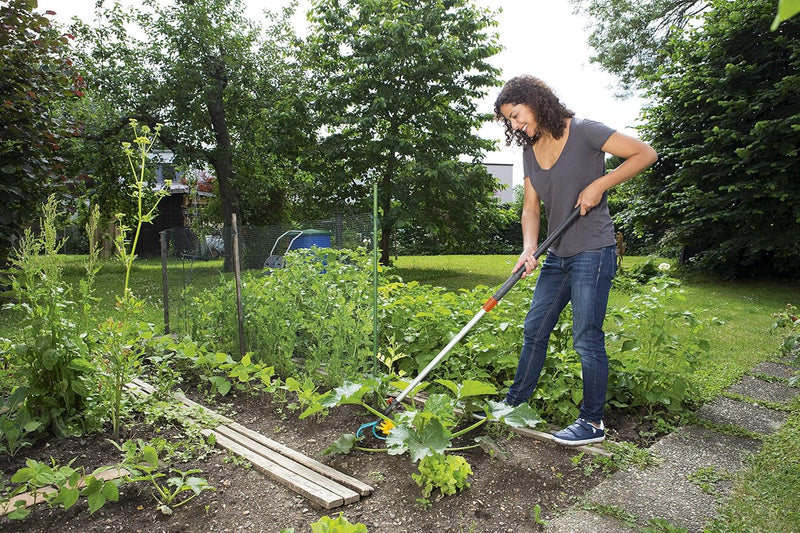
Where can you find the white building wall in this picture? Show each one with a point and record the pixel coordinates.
(504, 174)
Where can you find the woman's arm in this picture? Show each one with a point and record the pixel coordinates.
(531, 220)
(637, 155)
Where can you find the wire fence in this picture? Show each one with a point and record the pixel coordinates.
(258, 243)
(260, 248)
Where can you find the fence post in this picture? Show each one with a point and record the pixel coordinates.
(375, 277)
(237, 273)
(164, 280)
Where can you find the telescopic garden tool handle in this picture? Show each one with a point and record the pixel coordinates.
(490, 303)
(516, 276)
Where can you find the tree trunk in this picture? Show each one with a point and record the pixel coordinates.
(221, 157)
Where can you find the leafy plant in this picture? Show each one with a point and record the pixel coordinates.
(625, 455)
(447, 473)
(306, 392)
(51, 352)
(537, 515)
(16, 423)
(340, 524)
(117, 347)
(284, 328)
(790, 340)
(142, 460)
(67, 483)
(650, 363)
(137, 154)
(706, 478)
(218, 370)
(429, 431)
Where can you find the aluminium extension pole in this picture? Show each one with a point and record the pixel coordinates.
(487, 306)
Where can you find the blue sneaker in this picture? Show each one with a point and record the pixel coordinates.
(580, 433)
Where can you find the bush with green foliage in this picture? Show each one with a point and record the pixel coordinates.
(315, 313)
(788, 323)
(53, 367)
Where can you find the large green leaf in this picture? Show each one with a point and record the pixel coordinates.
(197, 484)
(522, 415)
(786, 10)
(343, 444)
(349, 393)
(468, 388)
(433, 438)
(441, 405)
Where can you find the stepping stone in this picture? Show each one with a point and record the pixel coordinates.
(754, 418)
(693, 447)
(576, 520)
(665, 491)
(777, 370)
(767, 391)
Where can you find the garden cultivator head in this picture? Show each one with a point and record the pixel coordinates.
(380, 428)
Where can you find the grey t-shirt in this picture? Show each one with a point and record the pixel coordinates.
(581, 162)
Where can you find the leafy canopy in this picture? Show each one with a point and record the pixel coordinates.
(725, 123)
(37, 77)
(397, 100)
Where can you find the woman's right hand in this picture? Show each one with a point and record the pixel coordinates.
(526, 261)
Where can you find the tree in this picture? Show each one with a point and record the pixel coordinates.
(36, 76)
(725, 123)
(398, 85)
(223, 88)
(632, 37)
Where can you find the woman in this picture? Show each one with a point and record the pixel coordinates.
(564, 168)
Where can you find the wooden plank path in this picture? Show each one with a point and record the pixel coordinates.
(318, 482)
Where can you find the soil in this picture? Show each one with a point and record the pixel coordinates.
(503, 495)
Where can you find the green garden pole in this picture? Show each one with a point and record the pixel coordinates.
(375, 278)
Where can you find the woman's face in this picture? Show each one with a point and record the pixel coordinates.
(521, 118)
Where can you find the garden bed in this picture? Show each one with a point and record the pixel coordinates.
(533, 483)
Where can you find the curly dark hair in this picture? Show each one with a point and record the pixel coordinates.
(548, 110)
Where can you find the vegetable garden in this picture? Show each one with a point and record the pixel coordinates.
(309, 339)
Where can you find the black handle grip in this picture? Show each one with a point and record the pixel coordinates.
(516, 276)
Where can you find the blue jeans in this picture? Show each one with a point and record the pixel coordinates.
(585, 279)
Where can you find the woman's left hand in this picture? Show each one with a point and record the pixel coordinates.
(590, 197)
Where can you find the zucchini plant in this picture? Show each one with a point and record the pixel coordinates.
(428, 430)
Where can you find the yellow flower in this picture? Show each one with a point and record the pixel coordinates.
(386, 426)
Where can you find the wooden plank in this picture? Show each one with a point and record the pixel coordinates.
(222, 419)
(146, 387)
(318, 495)
(348, 495)
(350, 489)
(357, 485)
(149, 389)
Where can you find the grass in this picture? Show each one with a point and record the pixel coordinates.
(765, 497)
(146, 283)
